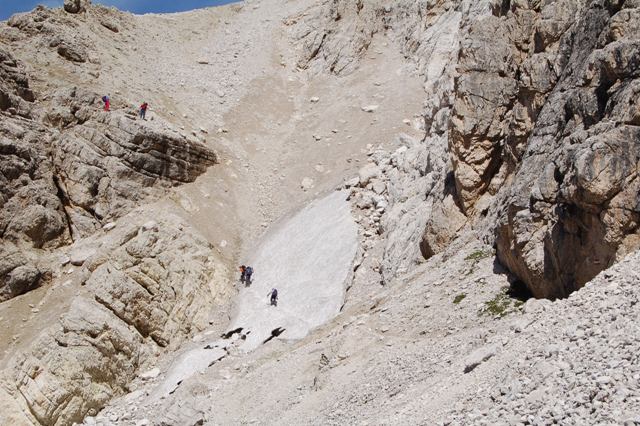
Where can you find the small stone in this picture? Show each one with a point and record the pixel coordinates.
(203, 62)
(379, 187)
(307, 184)
(314, 99)
(367, 173)
(352, 182)
(477, 357)
(370, 108)
(150, 226)
(109, 226)
(80, 255)
(151, 374)
(223, 243)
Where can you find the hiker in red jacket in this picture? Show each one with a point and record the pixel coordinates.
(143, 110)
(107, 102)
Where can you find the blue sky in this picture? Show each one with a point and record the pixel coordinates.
(9, 7)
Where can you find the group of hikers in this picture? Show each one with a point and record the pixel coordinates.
(142, 111)
(246, 273)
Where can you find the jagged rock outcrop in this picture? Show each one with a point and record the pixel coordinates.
(327, 44)
(15, 94)
(572, 208)
(534, 101)
(146, 287)
(65, 175)
(423, 215)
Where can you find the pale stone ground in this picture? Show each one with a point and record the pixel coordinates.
(443, 344)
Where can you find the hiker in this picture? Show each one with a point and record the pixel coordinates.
(248, 272)
(273, 294)
(143, 110)
(107, 102)
(243, 274)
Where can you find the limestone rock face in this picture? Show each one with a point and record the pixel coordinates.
(530, 122)
(544, 137)
(327, 44)
(15, 94)
(572, 209)
(146, 289)
(67, 171)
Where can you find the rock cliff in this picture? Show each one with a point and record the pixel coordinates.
(530, 128)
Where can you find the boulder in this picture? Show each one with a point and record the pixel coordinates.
(307, 184)
(76, 6)
(368, 172)
(80, 255)
(72, 52)
(19, 281)
(151, 374)
(370, 108)
(110, 24)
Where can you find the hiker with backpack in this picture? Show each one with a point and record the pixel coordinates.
(107, 102)
(248, 273)
(243, 274)
(143, 110)
(273, 295)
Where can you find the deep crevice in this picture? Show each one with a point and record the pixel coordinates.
(64, 200)
(518, 290)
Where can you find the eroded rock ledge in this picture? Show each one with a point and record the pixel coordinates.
(68, 171)
(142, 288)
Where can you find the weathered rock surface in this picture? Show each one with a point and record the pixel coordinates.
(535, 104)
(76, 6)
(572, 207)
(67, 173)
(15, 94)
(530, 142)
(144, 290)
